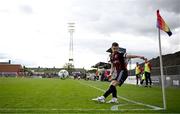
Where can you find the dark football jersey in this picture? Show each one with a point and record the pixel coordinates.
(119, 61)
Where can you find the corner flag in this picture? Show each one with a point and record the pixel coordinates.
(162, 25)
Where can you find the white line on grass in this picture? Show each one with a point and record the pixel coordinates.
(115, 107)
(59, 109)
(49, 109)
(132, 101)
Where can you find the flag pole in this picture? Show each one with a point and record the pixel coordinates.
(161, 69)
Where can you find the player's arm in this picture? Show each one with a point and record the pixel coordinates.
(134, 56)
(112, 69)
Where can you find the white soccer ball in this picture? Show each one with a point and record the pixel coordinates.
(63, 74)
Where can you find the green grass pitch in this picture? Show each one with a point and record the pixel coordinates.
(30, 95)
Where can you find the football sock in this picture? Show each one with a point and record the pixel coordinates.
(114, 92)
(109, 91)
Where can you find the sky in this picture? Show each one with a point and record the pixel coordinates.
(35, 32)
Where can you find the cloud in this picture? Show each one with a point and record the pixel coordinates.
(37, 34)
(26, 9)
(4, 11)
(3, 56)
(167, 5)
(130, 17)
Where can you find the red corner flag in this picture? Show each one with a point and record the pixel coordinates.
(162, 25)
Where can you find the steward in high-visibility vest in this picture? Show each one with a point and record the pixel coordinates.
(137, 72)
(147, 72)
(147, 67)
(142, 78)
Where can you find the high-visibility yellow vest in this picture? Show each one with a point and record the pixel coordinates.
(143, 77)
(146, 68)
(138, 70)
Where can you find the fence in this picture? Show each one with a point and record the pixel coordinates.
(168, 70)
(171, 73)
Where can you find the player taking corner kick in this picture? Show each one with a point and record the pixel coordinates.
(118, 65)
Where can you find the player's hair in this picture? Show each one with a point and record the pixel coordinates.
(115, 44)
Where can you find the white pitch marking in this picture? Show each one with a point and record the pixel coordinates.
(115, 107)
(57, 109)
(132, 101)
(50, 109)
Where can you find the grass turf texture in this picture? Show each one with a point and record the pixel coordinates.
(28, 95)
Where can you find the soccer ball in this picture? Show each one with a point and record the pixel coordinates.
(63, 74)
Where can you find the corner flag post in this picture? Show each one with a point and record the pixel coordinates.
(161, 24)
(162, 73)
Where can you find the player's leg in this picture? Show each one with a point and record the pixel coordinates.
(114, 99)
(146, 78)
(114, 92)
(142, 82)
(111, 89)
(149, 77)
(118, 82)
(136, 79)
